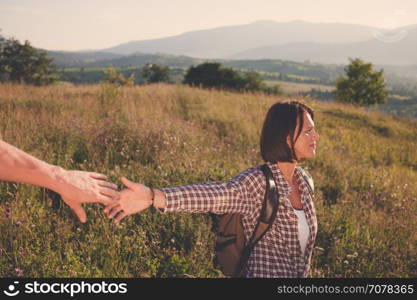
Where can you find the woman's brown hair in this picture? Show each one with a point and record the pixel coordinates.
(280, 122)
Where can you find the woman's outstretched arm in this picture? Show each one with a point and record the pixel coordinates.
(232, 196)
(75, 187)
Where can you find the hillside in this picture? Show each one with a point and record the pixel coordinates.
(300, 77)
(398, 77)
(166, 135)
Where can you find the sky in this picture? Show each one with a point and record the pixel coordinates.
(97, 24)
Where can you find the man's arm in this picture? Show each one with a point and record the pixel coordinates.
(75, 187)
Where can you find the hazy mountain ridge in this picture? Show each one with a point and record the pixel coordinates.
(378, 51)
(297, 41)
(223, 42)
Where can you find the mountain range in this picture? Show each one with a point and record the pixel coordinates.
(297, 41)
(224, 42)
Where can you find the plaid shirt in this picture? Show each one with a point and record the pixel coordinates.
(278, 253)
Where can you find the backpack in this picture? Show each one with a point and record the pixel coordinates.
(232, 251)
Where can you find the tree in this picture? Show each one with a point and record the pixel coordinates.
(253, 81)
(206, 75)
(153, 73)
(22, 63)
(111, 76)
(214, 75)
(362, 86)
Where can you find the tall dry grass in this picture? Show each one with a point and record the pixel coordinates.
(166, 135)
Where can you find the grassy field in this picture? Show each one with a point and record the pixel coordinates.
(166, 135)
(291, 88)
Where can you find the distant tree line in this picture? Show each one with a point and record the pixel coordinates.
(206, 75)
(153, 73)
(24, 64)
(403, 86)
(112, 76)
(320, 94)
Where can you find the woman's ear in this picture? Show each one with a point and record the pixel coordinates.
(288, 141)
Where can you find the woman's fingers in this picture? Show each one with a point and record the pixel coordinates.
(127, 182)
(116, 209)
(109, 207)
(119, 217)
(115, 212)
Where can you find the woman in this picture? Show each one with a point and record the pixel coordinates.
(288, 135)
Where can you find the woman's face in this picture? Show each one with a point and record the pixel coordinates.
(305, 146)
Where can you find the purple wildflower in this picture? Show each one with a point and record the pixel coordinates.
(8, 212)
(19, 272)
(18, 223)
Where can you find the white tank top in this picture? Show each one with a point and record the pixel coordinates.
(303, 229)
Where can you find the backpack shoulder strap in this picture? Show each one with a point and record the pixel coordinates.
(269, 206)
(309, 179)
(266, 218)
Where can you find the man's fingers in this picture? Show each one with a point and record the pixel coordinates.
(98, 176)
(106, 200)
(109, 192)
(127, 182)
(79, 211)
(108, 185)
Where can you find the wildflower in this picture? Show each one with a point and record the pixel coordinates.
(18, 223)
(19, 272)
(8, 212)
(317, 272)
(2, 251)
(352, 255)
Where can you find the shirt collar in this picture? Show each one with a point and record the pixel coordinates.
(284, 187)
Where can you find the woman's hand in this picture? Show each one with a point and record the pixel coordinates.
(136, 198)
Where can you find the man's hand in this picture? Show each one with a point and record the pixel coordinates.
(76, 187)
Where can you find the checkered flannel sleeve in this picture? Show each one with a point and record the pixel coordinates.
(232, 196)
